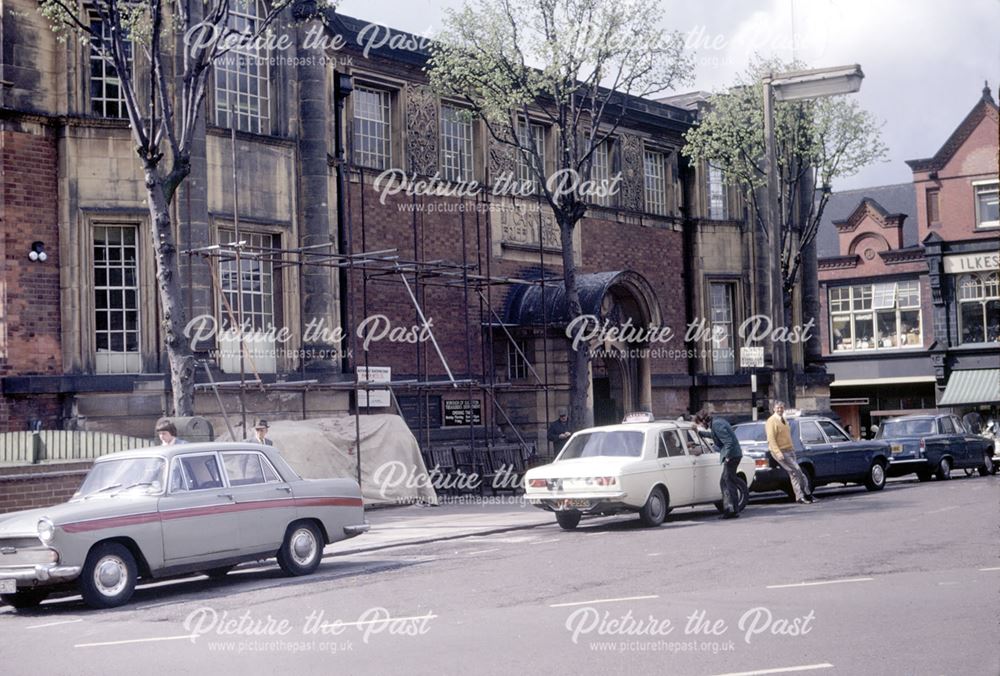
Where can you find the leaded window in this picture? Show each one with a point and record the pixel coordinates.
(456, 144)
(372, 128)
(116, 299)
(242, 75)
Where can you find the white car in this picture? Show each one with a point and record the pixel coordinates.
(648, 467)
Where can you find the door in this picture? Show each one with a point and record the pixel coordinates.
(676, 468)
(264, 502)
(948, 442)
(200, 521)
(818, 451)
(707, 470)
(851, 458)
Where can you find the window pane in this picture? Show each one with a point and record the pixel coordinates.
(116, 298)
(987, 212)
(655, 182)
(864, 331)
(242, 83)
(973, 328)
(843, 339)
(909, 327)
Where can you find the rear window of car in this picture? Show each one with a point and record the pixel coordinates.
(610, 443)
(751, 432)
(906, 428)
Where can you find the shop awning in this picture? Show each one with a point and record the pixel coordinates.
(978, 386)
(901, 380)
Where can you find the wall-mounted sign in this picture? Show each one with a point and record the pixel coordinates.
(458, 412)
(374, 398)
(984, 262)
(751, 357)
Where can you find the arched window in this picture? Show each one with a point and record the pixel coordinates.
(979, 308)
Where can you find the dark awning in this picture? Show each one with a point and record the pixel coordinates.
(536, 305)
(977, 386)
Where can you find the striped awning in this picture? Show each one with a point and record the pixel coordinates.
(978, 386)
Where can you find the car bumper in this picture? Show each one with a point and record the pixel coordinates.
(27, 576)
(770, 479)
(587, 503)
(354, 531)
(906, 465)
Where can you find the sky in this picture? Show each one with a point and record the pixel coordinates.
(925, 62)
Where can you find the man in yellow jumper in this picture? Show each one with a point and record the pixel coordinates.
(779, 443)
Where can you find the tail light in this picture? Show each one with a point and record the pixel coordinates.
(605, 481)
(923, 446)
(537, 483)
(761, 463)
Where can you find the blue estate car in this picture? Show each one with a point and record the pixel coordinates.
(933, 445)
(824, 451)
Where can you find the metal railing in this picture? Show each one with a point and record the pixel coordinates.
(59, 445)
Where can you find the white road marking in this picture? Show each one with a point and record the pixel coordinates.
(782, 670)
(483, 551)
(943, 509)
(428, 616)
(137, 640)
(947, 584)
(816, 584)
(985, 570)
(587, 603)
(54, 624)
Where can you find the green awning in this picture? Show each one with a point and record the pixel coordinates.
(979, 386)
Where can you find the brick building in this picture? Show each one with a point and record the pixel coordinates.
(908, 274)
(80, 342)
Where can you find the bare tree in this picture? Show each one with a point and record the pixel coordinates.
(164, 93)
(573, 64)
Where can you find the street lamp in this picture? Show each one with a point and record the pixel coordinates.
(792, 86)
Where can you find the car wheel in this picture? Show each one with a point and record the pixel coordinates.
(654, 511)
(568, 520)
(302, 550)
(24, 599)
(924, 475)
(108, 577)
(218, 573)
(875, 481)
(742, 493)
(988, 467)
(943, 470)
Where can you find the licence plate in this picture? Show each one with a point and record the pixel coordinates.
(576, 504)
(896, 448)
(8, 586)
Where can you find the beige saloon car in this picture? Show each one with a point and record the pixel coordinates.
(171, 510)
(644, 467)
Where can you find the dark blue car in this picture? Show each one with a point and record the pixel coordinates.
(824, 451)
(934, 445)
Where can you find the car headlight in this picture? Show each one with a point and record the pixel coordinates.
(46, 531)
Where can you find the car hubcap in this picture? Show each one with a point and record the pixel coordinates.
(303, 546)
(657, 506)
(878, 475)
(988, 462)
(945, 468)
(110, 575)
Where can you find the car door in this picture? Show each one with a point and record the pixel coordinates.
(965, 443)
(947, 440)
(818, 451)
(263, 500)
(676, 468)
(850, 457)
(707, 470)
(198, 512)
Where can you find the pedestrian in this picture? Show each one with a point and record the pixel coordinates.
(260, 429)
(850, 431)
(730, 454)
(167, 432)
(559, 432)
(779, 443)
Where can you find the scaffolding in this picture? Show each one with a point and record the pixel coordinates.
(475, 283)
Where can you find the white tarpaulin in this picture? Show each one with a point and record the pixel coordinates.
(392, 469)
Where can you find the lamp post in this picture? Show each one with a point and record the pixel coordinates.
(792, 86)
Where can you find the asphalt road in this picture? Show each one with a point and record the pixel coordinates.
(906, 581)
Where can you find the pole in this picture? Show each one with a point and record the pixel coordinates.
(239, 267)
(779, 381)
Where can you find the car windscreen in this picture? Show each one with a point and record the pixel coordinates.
(920, 427)
(751, 432)
(143, 475)
(610, 443)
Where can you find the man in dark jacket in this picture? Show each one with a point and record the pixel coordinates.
(559, 432)
(730, 454)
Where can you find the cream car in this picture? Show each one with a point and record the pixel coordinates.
(648, 468)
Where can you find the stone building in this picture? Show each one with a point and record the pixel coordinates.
(79, 339)
(911, 311)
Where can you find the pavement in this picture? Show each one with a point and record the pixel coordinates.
(456, 517)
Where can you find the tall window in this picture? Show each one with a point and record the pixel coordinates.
(517, 364)
(933, 208)
(723, 343)
(456, 144)
(979, 308)
(116, 299)
(718, 208)
(987, 210)
(875, 316)
(528, 135)
(600, 173)
(257, 281)
(107, 99)
(242, 85)
(372, 127)
(655, 173)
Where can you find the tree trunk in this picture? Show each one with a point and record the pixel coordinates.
(786, 346)
(580, 415)
(172, 318)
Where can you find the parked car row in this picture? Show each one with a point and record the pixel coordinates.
(651, 467)
(170, 510)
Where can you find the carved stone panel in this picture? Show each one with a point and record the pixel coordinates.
(521, 223)
(503, 160)
(632, 185)
(422, 130)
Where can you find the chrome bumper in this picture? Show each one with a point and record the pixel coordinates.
(351, 531)
(40, 573)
